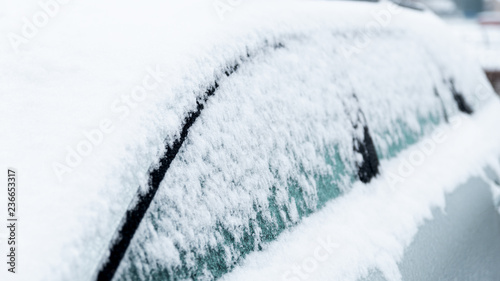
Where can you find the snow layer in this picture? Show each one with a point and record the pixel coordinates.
(275, 143)
(370, 227)
(80, 73)
(482, 42)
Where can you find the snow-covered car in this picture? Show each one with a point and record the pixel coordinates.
(307, 140)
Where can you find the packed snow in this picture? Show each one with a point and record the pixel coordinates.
(91, 97)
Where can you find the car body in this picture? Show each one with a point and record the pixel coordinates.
(173, 142)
